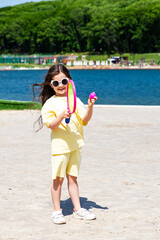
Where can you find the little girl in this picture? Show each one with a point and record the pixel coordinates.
(66, 139)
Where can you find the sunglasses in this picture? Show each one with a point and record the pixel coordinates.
(56, 83)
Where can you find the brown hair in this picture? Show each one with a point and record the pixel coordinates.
(45, 90)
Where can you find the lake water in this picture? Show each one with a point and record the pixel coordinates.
(117, 87)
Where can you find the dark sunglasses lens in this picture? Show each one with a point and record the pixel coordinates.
(55, 83)
(65, 81)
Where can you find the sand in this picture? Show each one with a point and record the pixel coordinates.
(119, 177)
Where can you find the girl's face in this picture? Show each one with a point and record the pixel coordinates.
(61, 89)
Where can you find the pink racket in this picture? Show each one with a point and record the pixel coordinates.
(71, 99)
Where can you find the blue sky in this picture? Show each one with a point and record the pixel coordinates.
(5, 3)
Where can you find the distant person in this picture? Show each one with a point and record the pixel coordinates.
(66, 140)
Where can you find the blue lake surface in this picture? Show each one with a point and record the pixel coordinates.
(116, 87)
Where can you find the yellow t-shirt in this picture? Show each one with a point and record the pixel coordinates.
(67, 137)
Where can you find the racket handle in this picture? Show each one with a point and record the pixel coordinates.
(67, 120)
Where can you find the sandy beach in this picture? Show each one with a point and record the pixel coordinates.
(119, 177)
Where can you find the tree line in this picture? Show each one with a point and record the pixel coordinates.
(60, 26)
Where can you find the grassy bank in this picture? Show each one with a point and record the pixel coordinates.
(16, 105)
(149, 58)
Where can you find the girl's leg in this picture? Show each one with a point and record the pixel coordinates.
(56, 193)
(74, 192)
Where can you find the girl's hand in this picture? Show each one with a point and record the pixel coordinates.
(89, 111)
(91, 101)
(66, 114)
(56, 122)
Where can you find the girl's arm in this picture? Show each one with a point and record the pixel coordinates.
(56, 122)
(89, 111)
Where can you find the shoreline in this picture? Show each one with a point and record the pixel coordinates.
(88, 68)
(97, 106)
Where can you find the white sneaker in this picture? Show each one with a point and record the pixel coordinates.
(58, 218)
(83, 213)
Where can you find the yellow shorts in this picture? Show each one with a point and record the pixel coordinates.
(66, 163)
